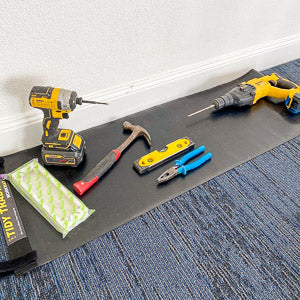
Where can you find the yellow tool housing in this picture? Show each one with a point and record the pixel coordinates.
(62, 147)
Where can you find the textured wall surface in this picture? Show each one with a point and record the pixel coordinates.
(90, 45)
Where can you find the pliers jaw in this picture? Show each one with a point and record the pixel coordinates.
(168, 175)
(182, 168)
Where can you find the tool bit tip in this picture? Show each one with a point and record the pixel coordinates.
(95, 102)
(201, 110)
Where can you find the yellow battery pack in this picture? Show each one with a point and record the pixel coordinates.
(156, 158)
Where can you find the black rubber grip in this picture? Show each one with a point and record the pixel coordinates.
(285, 84)
(102, 167)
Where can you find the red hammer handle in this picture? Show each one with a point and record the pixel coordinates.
(97, 172)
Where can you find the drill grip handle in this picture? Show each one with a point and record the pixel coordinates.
(285, 84)
(50, 124)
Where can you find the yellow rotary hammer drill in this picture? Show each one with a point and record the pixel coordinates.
(248, 93)
(61, 147)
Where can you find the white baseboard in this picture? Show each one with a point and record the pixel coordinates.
(23, 131)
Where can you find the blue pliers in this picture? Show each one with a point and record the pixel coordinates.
(180, 168)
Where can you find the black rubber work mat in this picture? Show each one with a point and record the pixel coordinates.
(232, 135)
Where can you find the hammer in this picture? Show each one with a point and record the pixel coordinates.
(108, 161)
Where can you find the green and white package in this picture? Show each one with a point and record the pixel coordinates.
(63, 210)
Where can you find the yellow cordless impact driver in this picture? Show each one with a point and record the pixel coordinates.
(248, 93)
(61, 147)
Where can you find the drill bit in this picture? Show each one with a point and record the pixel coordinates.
(94, 102)
(201, 110)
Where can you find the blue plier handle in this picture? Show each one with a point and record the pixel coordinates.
(181, 168)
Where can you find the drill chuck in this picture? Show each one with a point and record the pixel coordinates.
(239, 96)
(79, 100)
(223, 101)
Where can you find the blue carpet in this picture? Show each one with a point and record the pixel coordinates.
(236, 236)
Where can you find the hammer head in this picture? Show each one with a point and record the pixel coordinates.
(137, 131)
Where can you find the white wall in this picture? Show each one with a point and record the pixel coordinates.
(107, 48)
